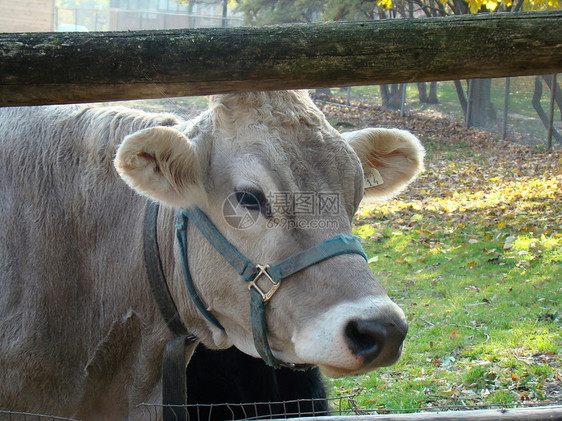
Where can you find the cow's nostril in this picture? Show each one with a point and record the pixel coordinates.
(372, 339)
(365, 338)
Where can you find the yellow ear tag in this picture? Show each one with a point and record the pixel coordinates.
(372, 178)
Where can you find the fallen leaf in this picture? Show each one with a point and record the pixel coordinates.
(508, 244)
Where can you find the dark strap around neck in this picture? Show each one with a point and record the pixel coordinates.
(155, 272)
(174, 381)
(174, 358)
(181, 236)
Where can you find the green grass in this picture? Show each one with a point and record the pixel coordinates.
(473, 255)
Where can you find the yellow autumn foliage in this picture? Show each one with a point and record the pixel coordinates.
(387, 4)
(492, 5)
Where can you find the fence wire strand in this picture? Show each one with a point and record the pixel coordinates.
(30, 416)
(338, 406)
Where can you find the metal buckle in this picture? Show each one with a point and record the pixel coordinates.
(266, 296)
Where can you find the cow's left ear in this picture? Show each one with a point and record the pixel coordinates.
(391, 159)
(161, 163)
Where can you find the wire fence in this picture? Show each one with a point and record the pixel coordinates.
(29, 416)
(247, 411)
(337, 407)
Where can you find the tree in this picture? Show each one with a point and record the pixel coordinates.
(266, 12)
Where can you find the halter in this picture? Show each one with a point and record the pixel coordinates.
(270, 275)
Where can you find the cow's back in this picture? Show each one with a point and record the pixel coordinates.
(68, 245)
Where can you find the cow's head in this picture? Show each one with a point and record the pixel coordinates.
(275, 178)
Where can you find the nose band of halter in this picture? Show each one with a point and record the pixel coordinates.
(269, 276)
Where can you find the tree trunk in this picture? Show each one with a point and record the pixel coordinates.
(422, 89)
(391, 96)
(47, 68)
(224, 13)
(424, 97)
(433, 93)
(483, 111)
(460, 94)
(536, 101)
(190, 21)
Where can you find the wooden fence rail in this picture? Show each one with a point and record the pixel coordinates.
(49, 68)
(516, 414)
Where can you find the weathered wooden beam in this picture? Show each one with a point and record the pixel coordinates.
(523, 414)
(47, 68)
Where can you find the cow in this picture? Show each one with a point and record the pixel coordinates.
(228, 385)
(83, 336)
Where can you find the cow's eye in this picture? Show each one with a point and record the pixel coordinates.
(252, 200)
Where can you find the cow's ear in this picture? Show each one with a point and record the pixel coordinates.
(391, 159)
(161, 163)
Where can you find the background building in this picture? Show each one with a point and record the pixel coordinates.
(26, 15)
(112, 15)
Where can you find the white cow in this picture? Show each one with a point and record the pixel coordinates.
(80, 333)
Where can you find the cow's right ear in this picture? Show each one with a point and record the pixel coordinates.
(391, 159)
(161, 163)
